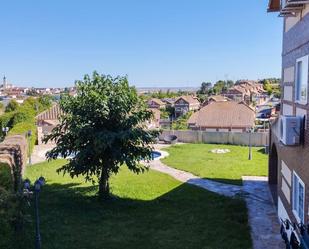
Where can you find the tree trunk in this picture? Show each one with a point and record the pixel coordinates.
(104, 193)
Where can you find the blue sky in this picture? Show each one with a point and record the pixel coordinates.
(154, 42)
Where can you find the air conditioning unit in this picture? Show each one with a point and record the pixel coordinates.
(291, 130)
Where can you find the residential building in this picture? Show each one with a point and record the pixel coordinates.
(289, 137)
(184, 104)
(47, 120)
(215, 98)
(156, 103)
(169, 102)
(223, 116)
(247, 90)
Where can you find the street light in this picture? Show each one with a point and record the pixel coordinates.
(250, 146)
(36, 189)
(5, 130)
(29, 134)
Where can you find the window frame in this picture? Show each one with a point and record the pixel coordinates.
(295, 206)
(304, 73)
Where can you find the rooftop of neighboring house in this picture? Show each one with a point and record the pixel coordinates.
(156, 100)
(169, 100)
(51, 115)
(247, 87)
(224, 114)
(217, 98)
(189, 99)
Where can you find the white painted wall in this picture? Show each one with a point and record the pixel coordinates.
(287, 109)
(291, 21)
(286, 190)
(288, 93)
(211, 130)
(302, 112)
(288, 74)
(286, 173)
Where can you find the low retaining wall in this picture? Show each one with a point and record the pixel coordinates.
(13, 157)
(237, 138)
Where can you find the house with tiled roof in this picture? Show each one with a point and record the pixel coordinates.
(215, 98)
(47, 120)
(184, 104)
(155, 103)
(247, 90)
(223, 116)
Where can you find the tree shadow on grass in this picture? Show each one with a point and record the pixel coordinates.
(185, 217)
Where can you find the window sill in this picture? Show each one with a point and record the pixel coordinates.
(301, 102)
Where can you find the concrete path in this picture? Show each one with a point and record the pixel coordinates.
(263, 220)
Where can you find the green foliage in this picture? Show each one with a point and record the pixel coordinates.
(168, 94)
(23, 128)
(103, 127)
(181, 122)
(12, 106)
(6, 180)
(205, 87)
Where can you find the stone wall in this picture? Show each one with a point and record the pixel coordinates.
(13, 155)
(236, 138)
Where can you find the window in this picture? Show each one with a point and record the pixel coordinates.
(298, 197)
(301, 80)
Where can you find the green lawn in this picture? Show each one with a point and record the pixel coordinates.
(227, 168)
(150, 211)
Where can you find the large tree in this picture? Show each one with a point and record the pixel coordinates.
(103, 127)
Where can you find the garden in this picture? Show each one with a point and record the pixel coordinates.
(223, 167)
(149, 210)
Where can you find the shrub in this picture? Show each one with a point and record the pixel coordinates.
(12, 106)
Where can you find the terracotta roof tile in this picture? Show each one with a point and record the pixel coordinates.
(224, 115)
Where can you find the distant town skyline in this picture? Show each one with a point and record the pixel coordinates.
(155, 43)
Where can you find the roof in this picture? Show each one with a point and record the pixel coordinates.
(52, 113)
(274, 6)
(224, 114)
(158, 101)
(217, 98)
(189, 99)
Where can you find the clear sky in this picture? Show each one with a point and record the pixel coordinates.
(155, 42)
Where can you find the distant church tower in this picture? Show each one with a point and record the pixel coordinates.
(5, 84)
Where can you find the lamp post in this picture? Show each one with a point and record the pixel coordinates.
(36, 189)
(250, 146)
(29, 133)
(5, 130)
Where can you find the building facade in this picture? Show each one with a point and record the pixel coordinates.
(289, 165)
(185, 104)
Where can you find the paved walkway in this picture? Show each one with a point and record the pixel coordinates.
(262, 213)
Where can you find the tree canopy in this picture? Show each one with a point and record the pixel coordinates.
(103, 127)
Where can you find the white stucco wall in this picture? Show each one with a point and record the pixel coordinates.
(288, 74)
(288, 93)
(287, 109)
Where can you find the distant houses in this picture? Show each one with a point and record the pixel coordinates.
(223, 116)
(248, 91)
(156, 103)
(184, 104)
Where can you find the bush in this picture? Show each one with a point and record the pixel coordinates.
(12, 106)
(6, 180)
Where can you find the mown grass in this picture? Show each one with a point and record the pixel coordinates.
(227, 168)
(151, 210)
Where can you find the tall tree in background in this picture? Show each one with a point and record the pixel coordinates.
(205, 87)
(103, 127)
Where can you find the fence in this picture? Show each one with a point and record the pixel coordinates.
(237, 138)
